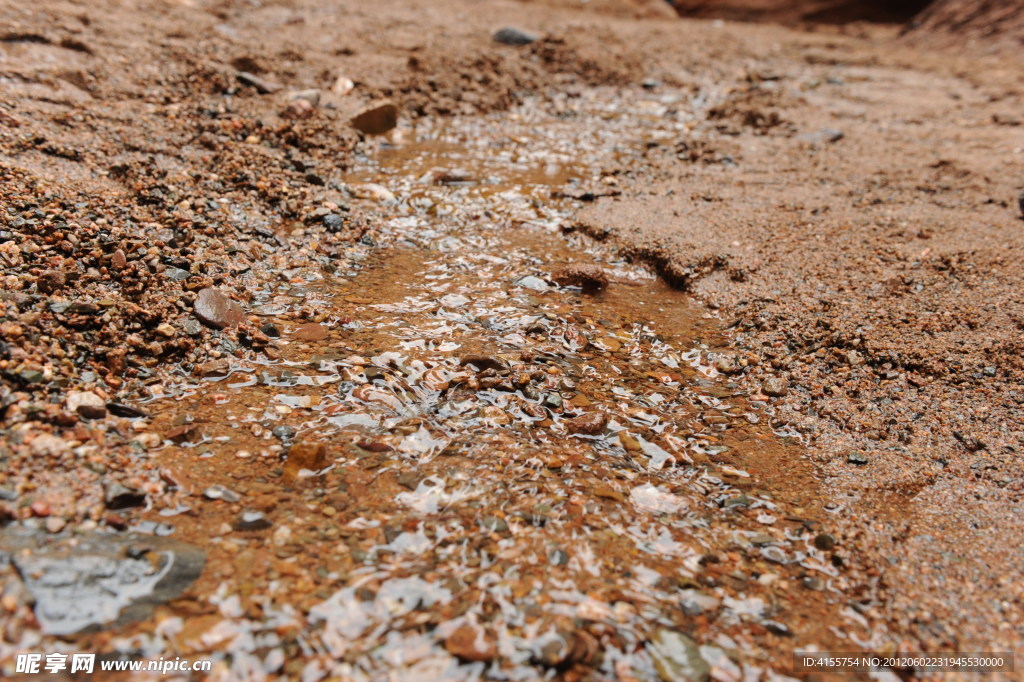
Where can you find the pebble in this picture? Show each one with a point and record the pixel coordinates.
(119, 496)
(824, 542)
(312, 96)
(251, 519)
(298, 109)
(677, 658)
(727, 365)
(305, 455)
(513, 36)
(46, 444)
(373, 192)
(50, 282)
(482, 362)
(342, 86)
(118, 260)
(334, 222)
(219, 492)
(590, 423)
(55, 524)
(857, 457)
(775, 386)
(283, 432)
(471, 643)
(86, 404)
(216, 310)
(377, 118)
(532, 282)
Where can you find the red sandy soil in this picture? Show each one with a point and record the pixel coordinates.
(877, 270)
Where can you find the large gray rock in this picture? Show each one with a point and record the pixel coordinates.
(99, 580)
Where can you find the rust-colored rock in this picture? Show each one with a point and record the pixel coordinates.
(50, 282)
(376, 119)
(186, 433)
(471, 643)
(590, 423)
(215, 309)
(305, 455)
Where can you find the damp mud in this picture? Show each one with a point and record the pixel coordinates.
(489, 448)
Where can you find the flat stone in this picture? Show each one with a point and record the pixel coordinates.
(262, 85)
(216, 310)
(99, 580)
(590, 423)
(309, 332)
(126, 411)
(482, 362)
(186, 433)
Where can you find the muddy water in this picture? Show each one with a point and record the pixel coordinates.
(451, 467)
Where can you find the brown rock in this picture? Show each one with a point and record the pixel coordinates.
(214, 369)
(298, 109)
(471, 643)
(118, 260)
(590, 278)
(310, 332)
(186, 433)
(590, 423)
(374, 445)
(215, 309)
(775, 386)
(376, 119)
(50, 282)
(484, 361)
(305, 455)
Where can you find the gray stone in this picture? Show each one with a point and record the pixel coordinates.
(513, 36)
(95, 581)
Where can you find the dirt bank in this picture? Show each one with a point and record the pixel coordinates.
(796, 12)
(857, 220)
(982, 25)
